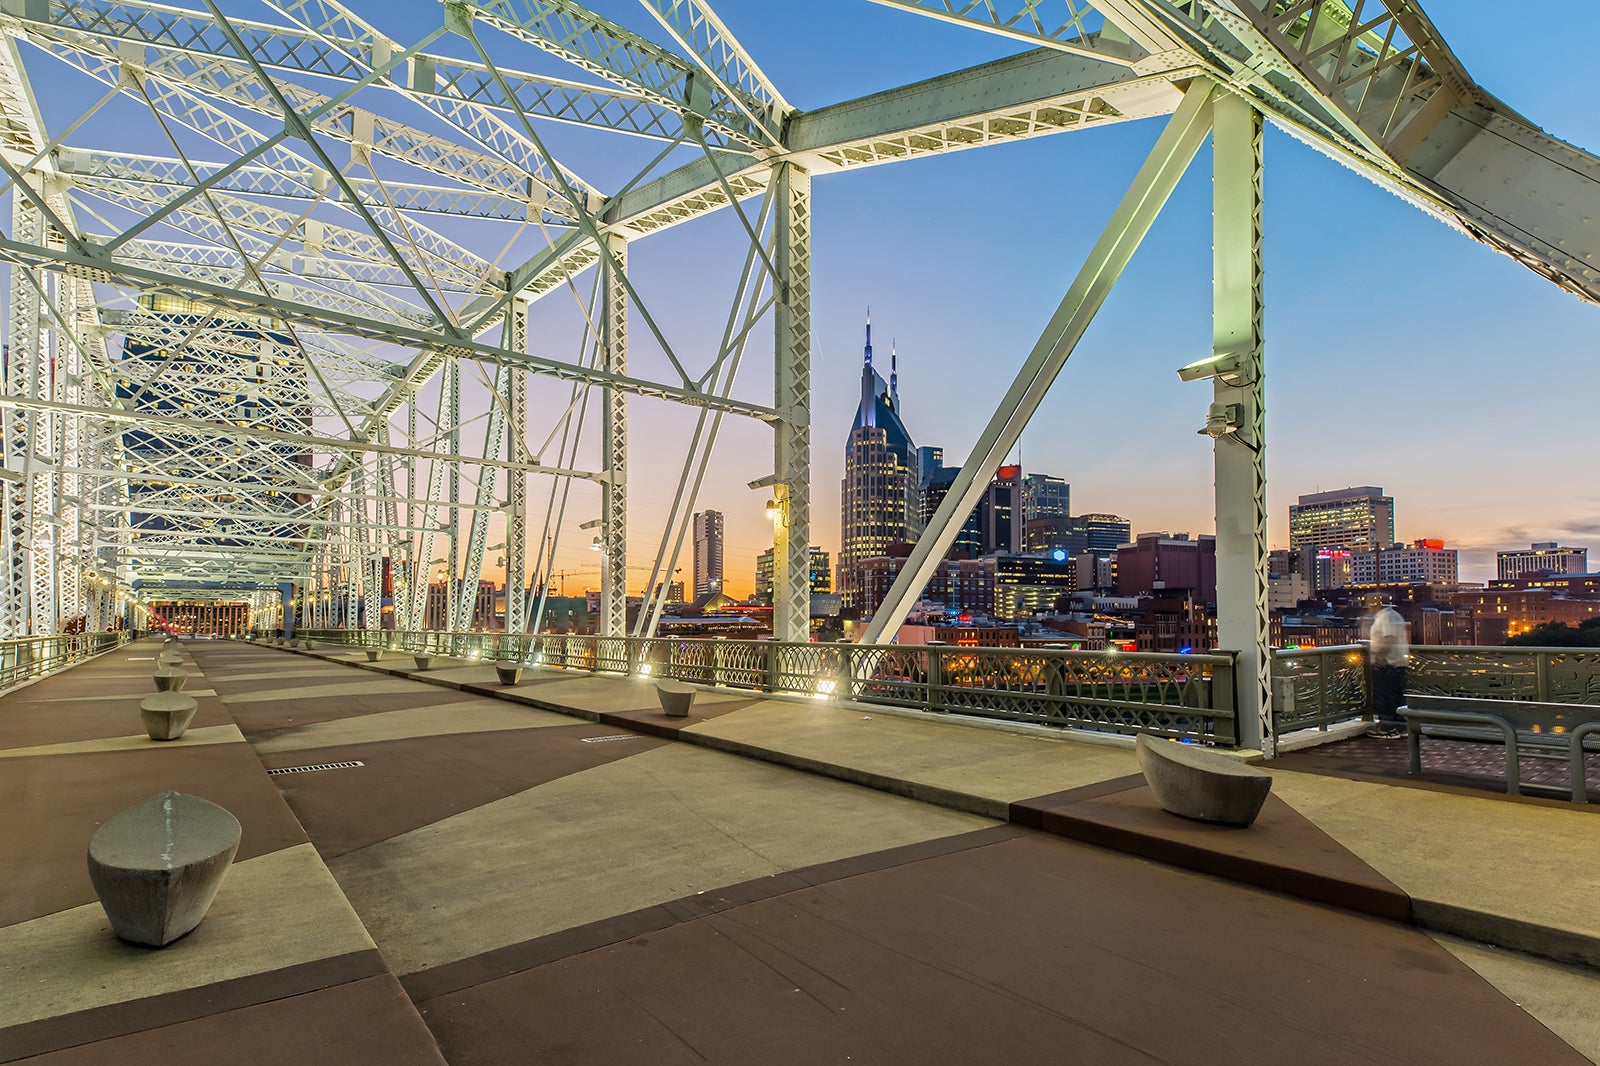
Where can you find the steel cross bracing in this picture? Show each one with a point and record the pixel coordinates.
(329, 230)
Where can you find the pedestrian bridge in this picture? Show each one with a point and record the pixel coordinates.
(438, 867)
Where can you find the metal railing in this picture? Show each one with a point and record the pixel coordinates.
(1548, 675)
(1314, 688)
(1184, 696)
(30, 657)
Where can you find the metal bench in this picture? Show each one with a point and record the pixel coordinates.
(1541, 730)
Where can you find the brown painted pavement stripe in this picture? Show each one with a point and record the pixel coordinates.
(1030, 812)
(54, 803)
(272, 717)
(364, 1021)
(409, 783)
(1032, 950)
(514, 958)
(25, 725)
(155, 1012)
(1283, 851)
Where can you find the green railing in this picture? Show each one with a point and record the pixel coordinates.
(1548, 675)
(30, 657)
(1314, 688)
(1184, 696)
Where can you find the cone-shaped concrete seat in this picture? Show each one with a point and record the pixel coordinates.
(1199, 784)
(510, 671)
(676, 698)
(167, 714)
(170, 678)
(157, 866)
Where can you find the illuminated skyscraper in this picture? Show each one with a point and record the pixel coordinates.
(1359, 519)
(879, 492)
(707, 553)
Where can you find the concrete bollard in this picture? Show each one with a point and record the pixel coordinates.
(374, 654)
(157, 865)
(167, 714)
(509, 671)
(170, 678)
(1194, 783)
(676, 698)
(423, 661)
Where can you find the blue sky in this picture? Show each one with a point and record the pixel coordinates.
(1400, 353)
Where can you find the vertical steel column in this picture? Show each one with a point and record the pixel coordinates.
(1185, 132)
(70, 376)
(517, 480)
(483, 499)
(17, 559)
(614, 499)
(14, 435)
(354, 510)
(389, 522)
(1240, 457)
(791, 535)
(450, 424)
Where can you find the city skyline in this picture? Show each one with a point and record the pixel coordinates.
(962, 257)
(1453, 443)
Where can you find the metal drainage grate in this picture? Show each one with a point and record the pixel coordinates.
(317, 766)
(614, 736)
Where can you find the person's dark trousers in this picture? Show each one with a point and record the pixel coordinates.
(1388, 692)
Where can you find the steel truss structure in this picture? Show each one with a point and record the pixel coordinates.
(283, 351)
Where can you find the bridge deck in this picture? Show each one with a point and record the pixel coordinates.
(499, 882)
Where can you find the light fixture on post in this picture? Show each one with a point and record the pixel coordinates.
(1227, 367)
(1223, 419)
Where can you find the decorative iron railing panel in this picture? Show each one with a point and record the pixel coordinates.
(1188, 696)
(1314, 688)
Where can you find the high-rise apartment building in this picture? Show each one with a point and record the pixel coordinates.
(707, 553)
(878, 495)
(1105, 532)
(1545, 556)
(1356, 519)
(1000, 512)
(1045, 496)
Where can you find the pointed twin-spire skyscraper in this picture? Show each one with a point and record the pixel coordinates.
(879, 493)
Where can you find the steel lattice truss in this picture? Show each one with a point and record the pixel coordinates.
(236, 356)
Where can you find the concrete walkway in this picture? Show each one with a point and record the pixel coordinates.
(557, 872)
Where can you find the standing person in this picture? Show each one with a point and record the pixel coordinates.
(1389, 651)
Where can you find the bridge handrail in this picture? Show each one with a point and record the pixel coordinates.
(25, 658)
(1314, 688)
(1186, 696)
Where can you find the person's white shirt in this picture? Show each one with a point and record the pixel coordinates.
(1388, 636)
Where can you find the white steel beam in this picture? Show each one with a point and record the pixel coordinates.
(1240, 457)
(791, 536)
(614, 435)
(1173, 151)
